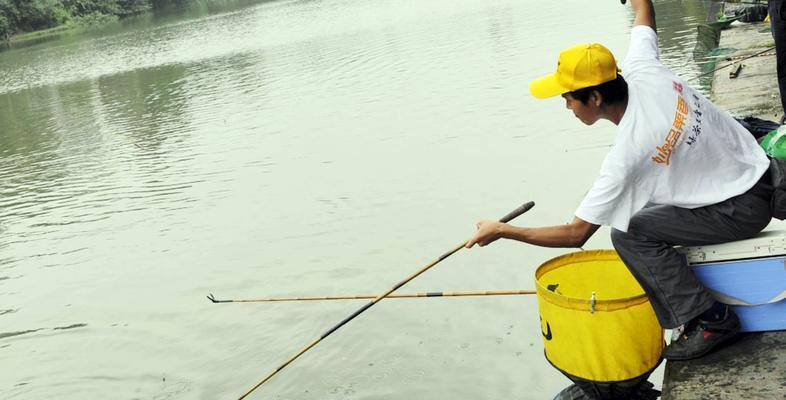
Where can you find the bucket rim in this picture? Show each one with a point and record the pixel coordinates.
(583, 304)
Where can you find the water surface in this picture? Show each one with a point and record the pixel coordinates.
(291, 148)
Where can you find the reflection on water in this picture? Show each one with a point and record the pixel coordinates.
(290, 148)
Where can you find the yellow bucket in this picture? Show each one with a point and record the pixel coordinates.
(597, 323)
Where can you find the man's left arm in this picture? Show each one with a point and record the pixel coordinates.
(643, 13)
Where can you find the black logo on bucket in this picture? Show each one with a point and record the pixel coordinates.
(547, 334)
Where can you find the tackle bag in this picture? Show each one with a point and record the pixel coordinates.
(774, 144)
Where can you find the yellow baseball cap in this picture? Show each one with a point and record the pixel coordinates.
(580, 66)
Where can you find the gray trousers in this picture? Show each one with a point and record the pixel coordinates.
(675, 293)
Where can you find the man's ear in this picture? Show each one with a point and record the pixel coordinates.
(596, 98)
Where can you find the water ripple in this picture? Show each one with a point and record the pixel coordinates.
(292, 146)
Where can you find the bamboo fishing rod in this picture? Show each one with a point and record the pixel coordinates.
(372, 296)
(507, 218)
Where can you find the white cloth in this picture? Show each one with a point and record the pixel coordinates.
(673, 146)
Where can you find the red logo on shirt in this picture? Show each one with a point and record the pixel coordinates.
(677, 86)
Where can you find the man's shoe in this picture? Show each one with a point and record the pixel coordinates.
(702, 336)
(644, 390)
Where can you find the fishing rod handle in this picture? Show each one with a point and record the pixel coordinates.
(515, 213)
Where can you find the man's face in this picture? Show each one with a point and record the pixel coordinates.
(588, 113)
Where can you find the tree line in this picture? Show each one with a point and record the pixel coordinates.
(18, 16)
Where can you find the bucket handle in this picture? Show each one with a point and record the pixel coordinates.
(592, 303)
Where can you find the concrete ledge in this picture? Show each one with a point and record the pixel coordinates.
(753, 366)
(755, 91)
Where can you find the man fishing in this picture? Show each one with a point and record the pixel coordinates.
(680, 172)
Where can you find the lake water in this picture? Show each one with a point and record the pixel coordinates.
(291, 148)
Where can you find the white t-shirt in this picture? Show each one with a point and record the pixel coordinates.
(673, 146)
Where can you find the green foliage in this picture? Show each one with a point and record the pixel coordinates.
(18, 16)
(80, 8)
(163, 4)
(5, 28)
(9, 12)
(109, 7)
(133, 6)
(94, 19)
(38, 14)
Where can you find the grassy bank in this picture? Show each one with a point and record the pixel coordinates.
(27, 19)
(72, 25)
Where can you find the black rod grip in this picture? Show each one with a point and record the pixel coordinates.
(515, 213)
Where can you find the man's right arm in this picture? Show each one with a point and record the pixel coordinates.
(644, 13)
(574, 234)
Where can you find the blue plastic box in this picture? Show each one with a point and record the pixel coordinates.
(750, 275)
